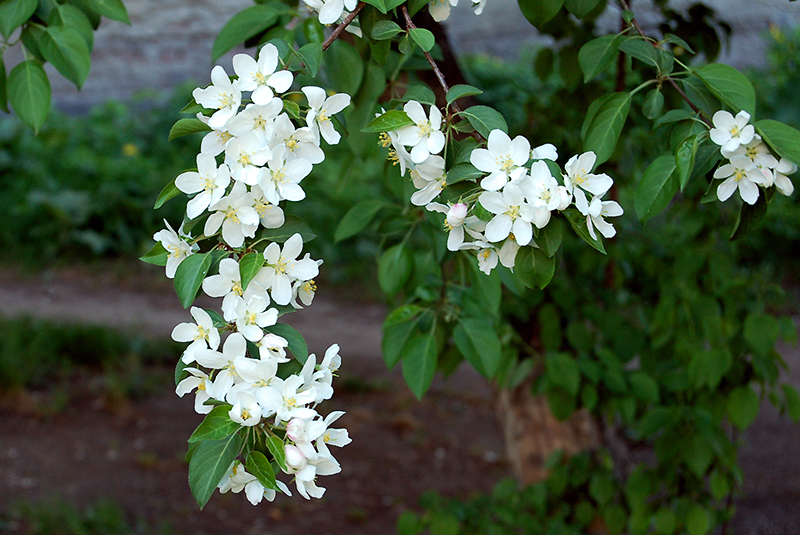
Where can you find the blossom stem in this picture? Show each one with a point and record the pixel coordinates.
(345, 23)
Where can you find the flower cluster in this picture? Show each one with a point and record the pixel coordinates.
(750, 163)
(516, 193)
(251, 164)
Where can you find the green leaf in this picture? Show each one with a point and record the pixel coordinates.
(73, 17)
(189, 276)
(179, 371)
(750, 214)
(14, 13)
(29, 93)
(562, 370)
(580, 8)
(259, 466)
(311, 55)
(640, 49)
(539, 12)
(275, 447)
(675, 40)
(784, 139)
(673, 116)
(66, 49)
(168, 192)
(292, 108)
(385, 29)
(606, 126)
(644, 387)
(653, 104)
(477, 340)
(462, 171)
(297, 344)
(419, 362)
(216, 425)
(209, 463)
(3, 91)
(345, 68)
(595, 56)
(578, 224)
(730, 86)
(249, 265)
(549, 238)
(761, 332)
(684, 159)
(460, 91)
(792, 398)
(665, 521)
(113, 9)
(391, 120)
(742, 406)
(697, 521)
(187, 126)
(157, 255)
(357, 218)
(397, 330)
(291, 226)
(242, 26)
(420, 93)
(534, 267)
(394, 269)
(485, 119)
(424, 38)
(656, 189)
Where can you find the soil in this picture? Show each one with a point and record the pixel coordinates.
(131, 450)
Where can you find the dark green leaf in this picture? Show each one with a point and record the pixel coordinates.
(216, 425)
(644, 387)
(549, 238)
(420, 93)
(345, 68)
(424, 38)
(595, 56)
(485, 119)
(157, 255)
(66, 49)
(761, 332)
(684, 159)
(242, 26)
(311, 56)
(578, 223)
(73, 17)
(675, 40)
(653, 104)
(397, 330)
(462, 171)
(539, 12)
(750, 215)
(673, 116)
(394, 269)
(563, 370)
(169, 191)
(580, 8)
(606, 126)
(291, 226)
(459, 91)
(179, 371)
(297, 344)
(259, 466)
(189, 276)
(534, 267)
(209, 463)
(419, 362)
(697, 521)
(357, 218)
(640, 49)
(29, 93)
(792, 398)
(13, 13)
(742, 406)
(113, 9)
(388, 121)
(385, 29)
(187, 126)
(249, 266)
(477, 340)
(730, 86)
(784, 139)
(3, 91)
(656, 189)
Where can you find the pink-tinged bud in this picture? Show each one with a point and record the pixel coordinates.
(295, 458)
(457, 213)
(295, 429)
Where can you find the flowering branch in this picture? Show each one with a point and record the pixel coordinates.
(439, 75)
(340, 28)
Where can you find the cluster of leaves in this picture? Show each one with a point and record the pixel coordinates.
(57, 516)
(61, 33)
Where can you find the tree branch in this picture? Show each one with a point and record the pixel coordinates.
(439, 76)
(345, 23)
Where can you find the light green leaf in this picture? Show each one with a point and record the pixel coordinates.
(73, 17)
(485, 119)
(538, 12)
(595, 56)
(783, 138)
(394, 269)
(697, 521)
(14, 13)
(742, 406)
(656, 189)
(419, 362)
(534, 267)
(217, 425)
(66, 49)
(113, 9)
(168, 192)
(311, 55)
(189, 276)
(297, 344)
(424, 38)
(391, 120)
(187, 126)
(730, 86)
(259, 466)
(249, 266)
(477, 340)
(357, 218)
(460, 91)
(244, 25)
(157, 255)
(276, 448)
(684, 159)
(606, 126)
(29, 93)
(385, 29)
(291, 226)
(210, 460)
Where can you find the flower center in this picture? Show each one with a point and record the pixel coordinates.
(244, 159)
(425, 128)
(226, 100)
(232, 214)
(237, 288)
(309, 286)
(292, 144)
(259, 123)
(735, 131)
(259, 78)
(506, 163)
(512, 212)
(209, 184)
(202, 333)
(384, 140)
(245, 414)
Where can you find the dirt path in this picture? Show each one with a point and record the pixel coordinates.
(132, 452)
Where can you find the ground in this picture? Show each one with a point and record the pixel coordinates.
(132, 450)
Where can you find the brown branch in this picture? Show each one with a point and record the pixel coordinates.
(672, 82)
(345, 23)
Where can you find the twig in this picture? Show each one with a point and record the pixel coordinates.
(672, 82)
(345, 23)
